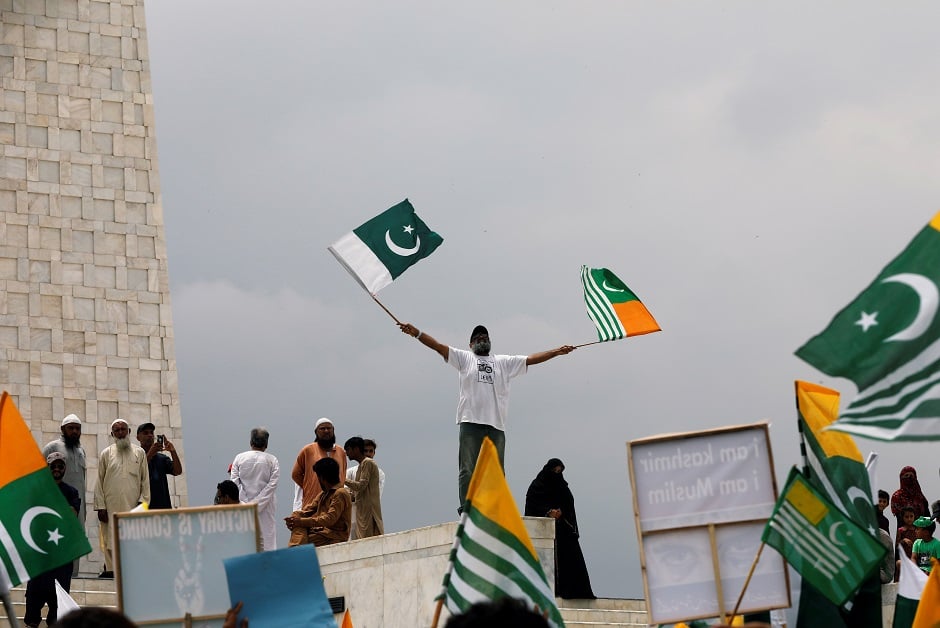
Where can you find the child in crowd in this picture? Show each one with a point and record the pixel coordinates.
(883, 499)
(926, 548)
(907, 533)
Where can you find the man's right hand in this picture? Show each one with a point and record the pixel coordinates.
(103, 516)
(408, 328)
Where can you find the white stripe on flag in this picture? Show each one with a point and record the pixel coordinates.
(921, 426)
(507, 553)
(926, 357)
(811, 538)
(794, 539)
(361, 262)
(599, 308)
(7, 541)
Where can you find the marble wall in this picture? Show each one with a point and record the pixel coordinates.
(85, 321)
(392, 580)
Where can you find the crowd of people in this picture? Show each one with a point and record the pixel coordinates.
(915, 524)
(333, 500)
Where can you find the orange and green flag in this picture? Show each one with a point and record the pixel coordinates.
(614, 308)
(38, 529)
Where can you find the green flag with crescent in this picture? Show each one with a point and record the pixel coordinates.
(887, 341)
(825, 547)
(38, 529)
(380, 250)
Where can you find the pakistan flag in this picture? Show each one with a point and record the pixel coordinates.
(38, 529)
(887, 341)
(378, 251)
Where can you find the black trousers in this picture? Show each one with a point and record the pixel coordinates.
(40, 591)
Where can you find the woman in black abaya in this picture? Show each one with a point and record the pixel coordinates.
(549, 496)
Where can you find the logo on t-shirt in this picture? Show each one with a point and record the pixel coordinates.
(484, 372)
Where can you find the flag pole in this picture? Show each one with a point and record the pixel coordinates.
(437, 612)
(586, 344)
(747, 580)
(385, 308)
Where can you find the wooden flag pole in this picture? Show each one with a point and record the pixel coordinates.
(386, 309)
(586, 344)
(437, 612)
(747, 581)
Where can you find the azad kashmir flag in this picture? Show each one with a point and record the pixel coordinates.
(911, 582)
(39, 531)
(493, 556)
(835, 467)
(887, 341)
(378, 251)
(613, 307)
(823, 545)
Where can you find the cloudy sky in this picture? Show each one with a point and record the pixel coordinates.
(746, 168)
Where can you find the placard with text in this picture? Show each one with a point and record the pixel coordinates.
(701, 500)
(169, 562)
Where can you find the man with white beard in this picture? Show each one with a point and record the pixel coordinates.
(123, 482)
(256, 474)
(70, 445)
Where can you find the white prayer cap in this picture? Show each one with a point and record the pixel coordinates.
(322, 421)
(71, 419)
(55, 455)
(116, 421)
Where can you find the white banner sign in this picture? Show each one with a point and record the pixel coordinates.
(701, 500)
(169, 562)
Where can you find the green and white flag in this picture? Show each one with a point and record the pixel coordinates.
(911, 583)
(39, 531)
(380, 250)
(829, 550)
(615, 310)
(493, 556)
(887, 341)
(835, 467)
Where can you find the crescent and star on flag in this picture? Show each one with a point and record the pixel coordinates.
(401, 251)
(27, 521)
(929, 300)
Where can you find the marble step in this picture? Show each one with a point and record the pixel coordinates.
(603, 612)
(89, 591)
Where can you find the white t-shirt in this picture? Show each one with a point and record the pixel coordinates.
(483, 385)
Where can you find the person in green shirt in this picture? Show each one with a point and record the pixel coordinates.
(926, 547)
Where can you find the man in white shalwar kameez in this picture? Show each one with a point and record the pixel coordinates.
(123, 482)
(256, 474)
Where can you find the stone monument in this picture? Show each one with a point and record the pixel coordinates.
(85, 322)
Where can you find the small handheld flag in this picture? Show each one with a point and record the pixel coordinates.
(613, 307)
(493, 556)
(39, 531)
(380, 250)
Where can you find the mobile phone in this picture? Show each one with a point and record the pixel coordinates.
(160, 439)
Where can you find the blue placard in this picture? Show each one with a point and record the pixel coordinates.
(280, 589)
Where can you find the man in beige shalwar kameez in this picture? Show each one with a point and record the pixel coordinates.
(365, 489)
(123, 482)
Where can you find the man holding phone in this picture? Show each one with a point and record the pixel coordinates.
(159, 464)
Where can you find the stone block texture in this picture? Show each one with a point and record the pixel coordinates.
(85, 319)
